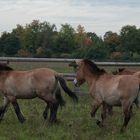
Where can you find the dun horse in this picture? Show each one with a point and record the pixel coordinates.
(124, 71)
(108, 90)
(42, 83)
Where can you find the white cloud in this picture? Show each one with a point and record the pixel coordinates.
(96, 16)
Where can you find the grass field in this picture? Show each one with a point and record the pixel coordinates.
(75, 121)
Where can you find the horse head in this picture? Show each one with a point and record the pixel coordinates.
(86, 68)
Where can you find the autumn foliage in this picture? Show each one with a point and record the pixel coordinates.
(42, 39)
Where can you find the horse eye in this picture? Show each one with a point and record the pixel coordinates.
(77, 68)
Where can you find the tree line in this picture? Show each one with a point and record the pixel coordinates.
(41, 39)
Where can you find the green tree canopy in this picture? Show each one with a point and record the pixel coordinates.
(65, 40)
(41, 39)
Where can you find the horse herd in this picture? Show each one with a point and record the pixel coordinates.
(122, 88)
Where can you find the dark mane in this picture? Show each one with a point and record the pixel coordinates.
(4, 67)
(93, 67)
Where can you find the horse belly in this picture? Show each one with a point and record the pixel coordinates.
(28, 95)
(20, 88)
(22, 92)
(113, 101)
(113, 97)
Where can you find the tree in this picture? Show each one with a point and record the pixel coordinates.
(112, 40)
(36, 36)
(80, 36)
(96, 51)
(65, 40)
(130, 39)
(9, 44)
(41, 39)
(46, 39)
(130, 42)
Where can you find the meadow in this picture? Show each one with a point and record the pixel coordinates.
(75, 121)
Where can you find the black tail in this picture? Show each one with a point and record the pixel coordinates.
(59, 97)
(66, 89)
(137, 101)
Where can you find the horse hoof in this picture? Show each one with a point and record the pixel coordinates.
(45, 116)
(1, 118)
(55, 121)
(99, 123)
(92, 114)
(122, 130)
(22, 120)
(110, 114)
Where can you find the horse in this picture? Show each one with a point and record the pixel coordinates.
(43, 83)
(123, 71)
(108, 89)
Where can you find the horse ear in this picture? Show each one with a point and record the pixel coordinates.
(121, 69)
(103, 70)
(114, 72)
(73, 64)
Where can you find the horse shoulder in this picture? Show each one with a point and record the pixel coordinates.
(101, 87)
(92, 89)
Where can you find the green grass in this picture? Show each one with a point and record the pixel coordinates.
(75, 121)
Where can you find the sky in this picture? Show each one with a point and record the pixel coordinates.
(97, 16)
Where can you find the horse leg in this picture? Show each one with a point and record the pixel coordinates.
(45, 113)
(53, 112)
(103, 113)
(17, 110)
(109, 110)
(96, 105)
(52, 104)
(3, 108)
(127, 110)
(59, 101)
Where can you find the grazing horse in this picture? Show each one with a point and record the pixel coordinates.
(43, 83)
(108, 90)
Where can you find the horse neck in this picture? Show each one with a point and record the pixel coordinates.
(3, 75)
(90, 78)
(2, 79)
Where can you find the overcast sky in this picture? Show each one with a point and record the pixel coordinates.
(96, 16)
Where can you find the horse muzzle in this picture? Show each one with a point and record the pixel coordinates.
(75, 82)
